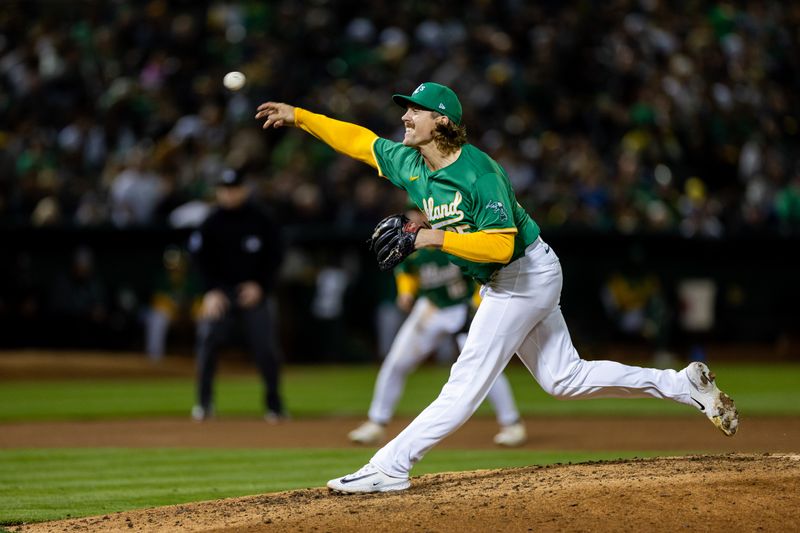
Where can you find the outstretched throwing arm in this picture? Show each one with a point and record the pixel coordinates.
(346, 138)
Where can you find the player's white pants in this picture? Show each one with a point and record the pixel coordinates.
(520, 313)
(500, 396)
(422, 331)
(156, 329)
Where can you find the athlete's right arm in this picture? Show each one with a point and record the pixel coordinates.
(350, 139)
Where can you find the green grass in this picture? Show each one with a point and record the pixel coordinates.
(759, 389)
(50, 484)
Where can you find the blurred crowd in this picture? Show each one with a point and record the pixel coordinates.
(629, 116)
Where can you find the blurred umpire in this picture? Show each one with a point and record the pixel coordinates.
(238, 251)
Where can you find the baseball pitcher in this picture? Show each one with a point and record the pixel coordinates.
(475, 218)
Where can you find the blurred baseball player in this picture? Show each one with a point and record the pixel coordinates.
(475, 218)
(441, 310)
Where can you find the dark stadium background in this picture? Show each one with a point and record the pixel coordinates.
(658, 140)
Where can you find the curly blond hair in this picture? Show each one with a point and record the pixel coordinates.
(449, 137)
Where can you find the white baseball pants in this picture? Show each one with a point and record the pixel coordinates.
(520, 313)
(421, 332)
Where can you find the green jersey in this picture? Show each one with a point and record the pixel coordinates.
(471, 194)
(440, 281)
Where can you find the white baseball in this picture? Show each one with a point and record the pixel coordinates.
(234, 80)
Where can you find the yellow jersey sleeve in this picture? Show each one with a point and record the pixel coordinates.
(480, 247)
(346, 138)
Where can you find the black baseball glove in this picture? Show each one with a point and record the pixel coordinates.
(393, 240)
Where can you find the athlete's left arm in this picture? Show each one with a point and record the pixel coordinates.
(480, 246)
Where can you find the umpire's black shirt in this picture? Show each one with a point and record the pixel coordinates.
(237, 245)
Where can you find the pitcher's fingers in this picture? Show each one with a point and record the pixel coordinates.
(272, 122)
(264, 106)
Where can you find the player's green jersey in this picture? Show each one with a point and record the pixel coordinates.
(439, 280)
(471, 194)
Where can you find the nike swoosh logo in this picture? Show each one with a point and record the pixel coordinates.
(345, 480)
(413, 178)
(702, 408)
(547, 249)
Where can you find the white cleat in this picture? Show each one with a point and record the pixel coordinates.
(512, 435)
(368, 479)
(367, 433)
(717, 406)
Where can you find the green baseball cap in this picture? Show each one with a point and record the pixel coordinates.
(433, 97)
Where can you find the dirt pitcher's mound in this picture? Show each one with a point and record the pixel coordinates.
(735, 492)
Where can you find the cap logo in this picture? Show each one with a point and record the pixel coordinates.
(419, 89)
(441, 105)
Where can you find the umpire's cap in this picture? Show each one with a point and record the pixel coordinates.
(230, 177)
(433, 97)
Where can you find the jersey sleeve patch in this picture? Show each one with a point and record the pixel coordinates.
(493, 203)
(498, 208)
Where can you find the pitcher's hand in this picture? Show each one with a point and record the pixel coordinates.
(276, 114)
